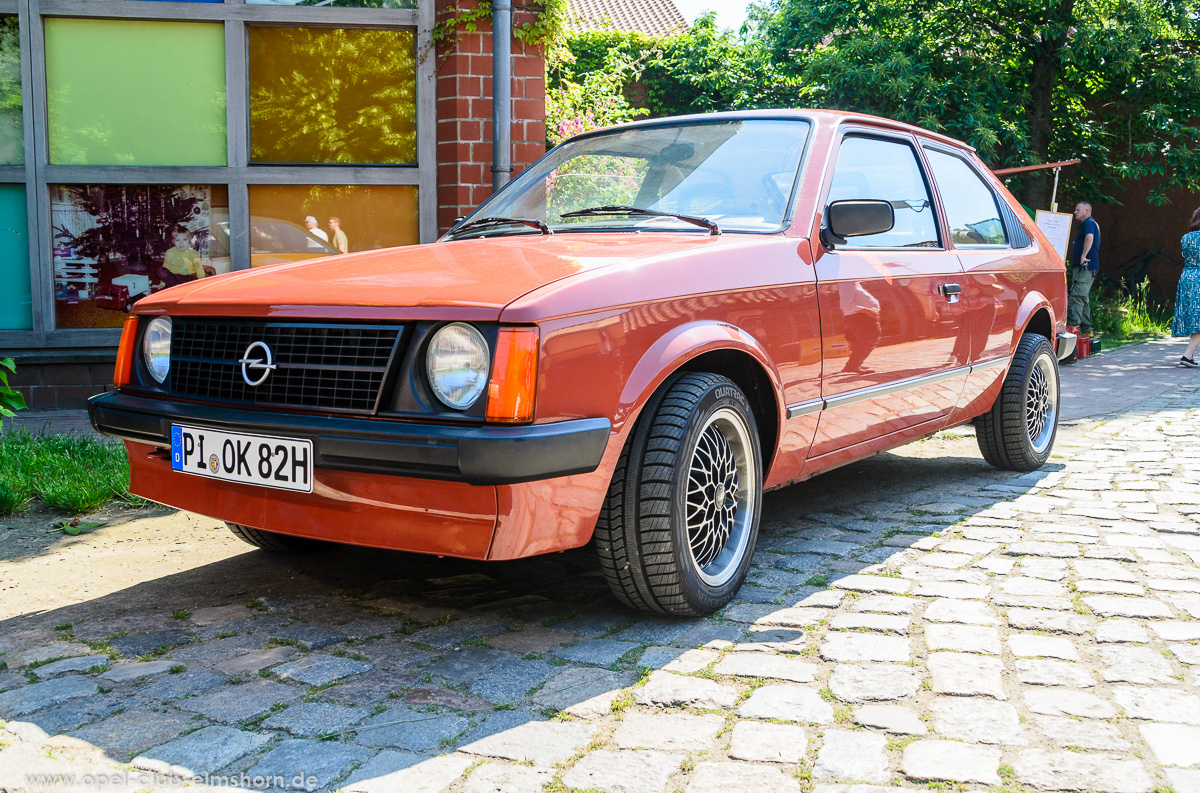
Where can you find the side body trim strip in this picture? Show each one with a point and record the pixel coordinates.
(858, 395)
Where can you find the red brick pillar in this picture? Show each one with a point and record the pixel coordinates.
(464, 112)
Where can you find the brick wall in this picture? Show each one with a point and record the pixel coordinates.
(61, 379)
(1135, 226)
(464, 113)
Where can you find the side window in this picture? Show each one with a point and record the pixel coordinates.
(886, 170)
(972, 212)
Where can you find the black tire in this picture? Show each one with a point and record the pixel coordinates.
(650, 559)
(1017, 433)
(272, 541)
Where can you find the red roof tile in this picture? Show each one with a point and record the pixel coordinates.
(655, 17)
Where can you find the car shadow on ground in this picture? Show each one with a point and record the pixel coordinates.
(453, 651)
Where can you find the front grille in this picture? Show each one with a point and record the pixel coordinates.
(319, 366)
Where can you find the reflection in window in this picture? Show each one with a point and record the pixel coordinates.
(340, 3)
(971, 211)
(135, 93)
(291, 223)
(887, 171)
(116, 243)
(331, 95)
(16, 304)
(12, 144)
(737, 173)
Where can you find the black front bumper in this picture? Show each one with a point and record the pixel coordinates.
(476, 455)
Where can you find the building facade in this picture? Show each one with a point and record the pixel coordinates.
(144, 143)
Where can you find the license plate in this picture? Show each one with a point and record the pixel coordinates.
(285, 463)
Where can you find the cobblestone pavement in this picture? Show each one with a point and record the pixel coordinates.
(999, 633)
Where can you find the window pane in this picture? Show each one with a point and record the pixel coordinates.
(16, 303)
(322, 95)
(736, 173)
(290, 223)
(116, 243)
(869, 168)
(340, 3)
(12, 137)
(971, 211)
(135, 93)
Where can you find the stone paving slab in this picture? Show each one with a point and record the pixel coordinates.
(1002, 631)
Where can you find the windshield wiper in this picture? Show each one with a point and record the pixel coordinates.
(499, 221)
(609, 210)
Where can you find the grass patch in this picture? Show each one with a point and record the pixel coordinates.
(1124, 317)
(69, 472)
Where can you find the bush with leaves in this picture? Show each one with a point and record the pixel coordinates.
(11, 399)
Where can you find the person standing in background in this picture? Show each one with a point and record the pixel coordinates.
(1186, 321)
(1085, 255)
(340, 241)
(314, 228)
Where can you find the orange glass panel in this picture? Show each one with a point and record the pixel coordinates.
(293, 222)
(332, 95)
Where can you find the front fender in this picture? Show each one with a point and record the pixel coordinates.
(680, 345)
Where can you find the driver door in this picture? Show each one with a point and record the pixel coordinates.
(892, 305)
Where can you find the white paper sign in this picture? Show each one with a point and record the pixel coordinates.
(1057, 228)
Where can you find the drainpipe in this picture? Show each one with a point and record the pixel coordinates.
(501, 93)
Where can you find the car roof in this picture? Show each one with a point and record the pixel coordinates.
(824, 117)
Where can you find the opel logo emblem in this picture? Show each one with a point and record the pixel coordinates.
(256, 363)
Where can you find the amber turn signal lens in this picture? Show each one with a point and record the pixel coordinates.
(123, 372)
(514, 376)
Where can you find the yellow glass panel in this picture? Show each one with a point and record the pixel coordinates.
(332, 95)
(294, 222)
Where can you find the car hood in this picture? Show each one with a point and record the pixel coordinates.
(475, 278)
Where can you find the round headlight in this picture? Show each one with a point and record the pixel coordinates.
(457, 365)
(156, 348)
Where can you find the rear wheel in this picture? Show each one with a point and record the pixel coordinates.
(1017, 433)
(272, 541)
(680, 522)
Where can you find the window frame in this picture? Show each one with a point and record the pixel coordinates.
(887, 136)
(928, 146)
(237, 173)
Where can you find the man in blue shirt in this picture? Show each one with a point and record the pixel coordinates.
(1085, 256)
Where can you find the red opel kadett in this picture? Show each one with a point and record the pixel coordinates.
(624, 346)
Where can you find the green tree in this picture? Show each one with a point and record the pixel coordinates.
(699, 70)
(1114, 82)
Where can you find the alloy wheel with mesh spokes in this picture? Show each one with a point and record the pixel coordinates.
(719, 508)
(680, 522)
(1017, 433)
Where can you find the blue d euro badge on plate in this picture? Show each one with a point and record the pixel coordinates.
(177, 448)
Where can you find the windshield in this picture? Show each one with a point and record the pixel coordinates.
(738, 174)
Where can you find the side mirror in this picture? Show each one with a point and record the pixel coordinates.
(856, 218)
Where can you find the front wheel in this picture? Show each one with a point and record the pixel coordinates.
(680, 522)
(273, 541)
(1018, 432)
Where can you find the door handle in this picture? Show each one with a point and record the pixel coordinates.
(950, 292)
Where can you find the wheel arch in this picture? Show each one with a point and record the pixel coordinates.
(1035, 315)
(719, 348)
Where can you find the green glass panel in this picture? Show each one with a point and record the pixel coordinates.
(135, 93)
(12, 143)
(332, 95)
(16, 303)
